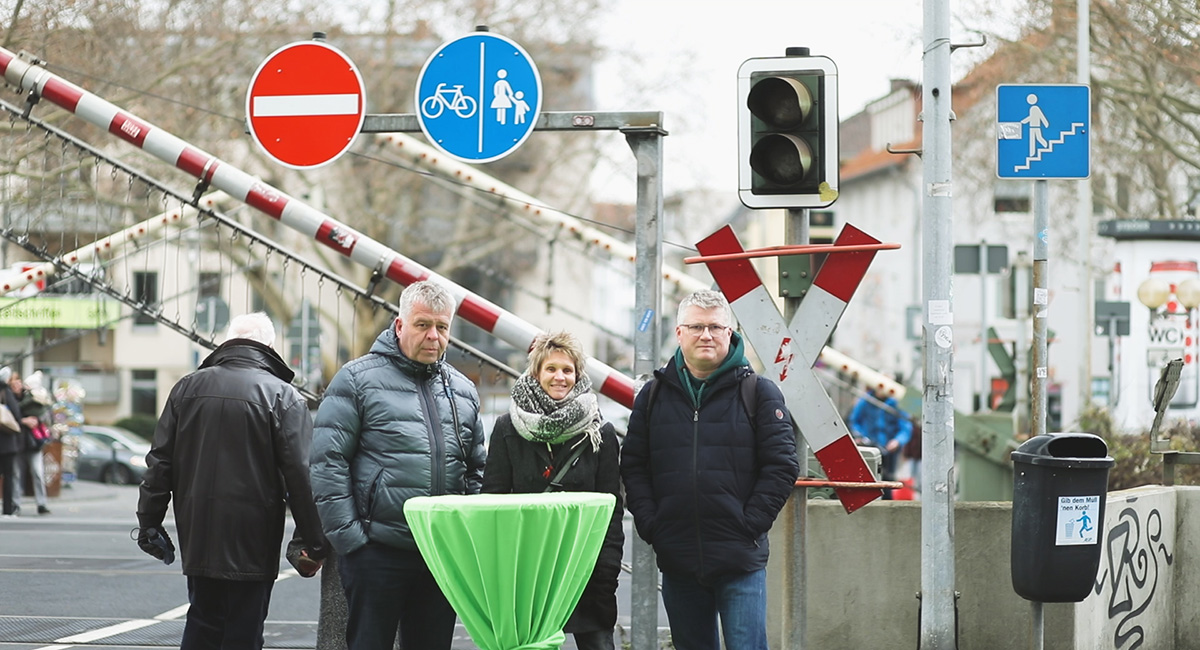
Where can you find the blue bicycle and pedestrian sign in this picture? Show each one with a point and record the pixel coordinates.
(1043, 131)
(478, 97)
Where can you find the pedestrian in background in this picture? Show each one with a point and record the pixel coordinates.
(553, 439)
(12, 444)
(706, 473)
(394, 424)
(879, 422)
(33, 430)
(231, 448)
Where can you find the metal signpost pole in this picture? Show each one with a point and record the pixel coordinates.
(797, 232)
(1039, 374)
(937, 412)
(1041, 307)
(646, 143)
(984, 388)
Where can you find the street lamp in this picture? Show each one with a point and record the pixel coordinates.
(1188, 293)
(1153, 293)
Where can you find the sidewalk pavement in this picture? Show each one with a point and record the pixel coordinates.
(88, 491)
(85, 499)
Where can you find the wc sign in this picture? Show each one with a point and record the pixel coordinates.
(1167, 333)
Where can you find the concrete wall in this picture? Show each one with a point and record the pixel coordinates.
(864, 572)
(1186, 555)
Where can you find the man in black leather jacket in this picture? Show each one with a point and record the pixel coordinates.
(231, 447)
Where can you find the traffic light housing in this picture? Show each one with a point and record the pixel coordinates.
(788, 132)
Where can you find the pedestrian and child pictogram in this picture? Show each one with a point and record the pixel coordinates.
(1043, 131)
(475, 97)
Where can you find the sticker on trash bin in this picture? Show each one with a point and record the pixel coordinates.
(1077, 520)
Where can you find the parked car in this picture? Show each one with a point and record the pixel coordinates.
(111, 455)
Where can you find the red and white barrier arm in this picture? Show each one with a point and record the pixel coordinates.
(290, 211)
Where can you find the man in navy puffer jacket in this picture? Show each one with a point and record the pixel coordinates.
(394, 424)
(704, 483)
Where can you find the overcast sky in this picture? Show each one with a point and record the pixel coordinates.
(681, 57)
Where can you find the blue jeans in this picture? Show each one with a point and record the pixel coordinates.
(388, 587)
(693, 607)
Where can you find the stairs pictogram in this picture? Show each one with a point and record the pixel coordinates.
(1076, 127)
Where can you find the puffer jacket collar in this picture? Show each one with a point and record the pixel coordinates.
(387, 344)
(249, 354)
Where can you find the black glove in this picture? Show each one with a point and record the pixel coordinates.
(305, 560)
(155, 541)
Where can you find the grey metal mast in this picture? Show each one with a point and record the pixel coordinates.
(937, 408)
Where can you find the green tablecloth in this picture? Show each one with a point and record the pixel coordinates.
(512, 565)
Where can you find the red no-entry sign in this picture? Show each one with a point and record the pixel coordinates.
(306, 104)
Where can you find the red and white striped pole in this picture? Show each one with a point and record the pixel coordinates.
(291, 212)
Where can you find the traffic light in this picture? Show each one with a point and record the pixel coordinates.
(788, 131)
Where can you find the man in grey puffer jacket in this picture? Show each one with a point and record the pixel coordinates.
(394, 424)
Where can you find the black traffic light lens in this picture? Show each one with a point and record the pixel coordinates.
(781, 102)
(781, 158)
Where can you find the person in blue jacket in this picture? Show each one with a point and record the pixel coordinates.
(881, 423)
(705, 476)
(396, 423)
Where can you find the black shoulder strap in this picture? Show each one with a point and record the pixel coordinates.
(556, 482)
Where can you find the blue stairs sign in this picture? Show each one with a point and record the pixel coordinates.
(1043, 131)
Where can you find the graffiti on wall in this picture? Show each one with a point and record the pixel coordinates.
(1137, 556)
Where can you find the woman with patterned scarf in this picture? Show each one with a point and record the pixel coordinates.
(554, 422)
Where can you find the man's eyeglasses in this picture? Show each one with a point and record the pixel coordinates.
(697, 329)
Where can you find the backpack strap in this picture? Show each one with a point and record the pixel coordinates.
(749, 391)
(654, 386)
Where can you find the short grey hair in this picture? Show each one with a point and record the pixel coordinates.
(256, 326)
(705, 299)
(432, 295)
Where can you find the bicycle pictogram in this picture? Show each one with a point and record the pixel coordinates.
(452, 98)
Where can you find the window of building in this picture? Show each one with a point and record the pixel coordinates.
(145, 290)
(143, 392)
(209, 285)
(1098, 185)
(72, 284)
(1011, 196)
(1124, 183)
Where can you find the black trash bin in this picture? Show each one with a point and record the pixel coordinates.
(1060, 483)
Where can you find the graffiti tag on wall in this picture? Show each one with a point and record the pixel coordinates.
(1137, 556)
